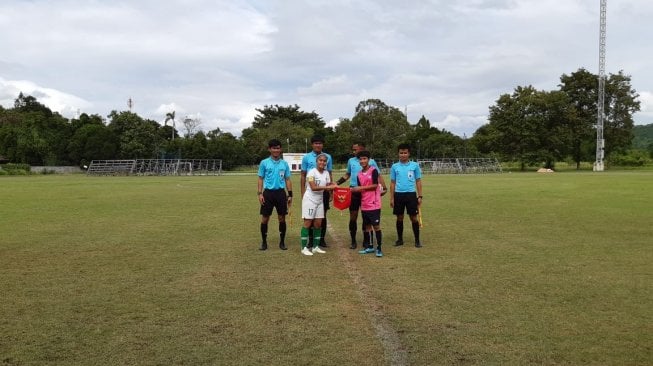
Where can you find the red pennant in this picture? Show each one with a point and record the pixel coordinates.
(341, 198)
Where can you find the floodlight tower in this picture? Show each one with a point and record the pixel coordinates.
(600, 141)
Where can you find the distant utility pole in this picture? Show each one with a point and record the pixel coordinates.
(130, 103)
(600, 141)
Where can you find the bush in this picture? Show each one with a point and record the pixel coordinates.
(630, 158)
(16, 169)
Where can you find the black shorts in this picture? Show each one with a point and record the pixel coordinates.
(355, 203)
(274, 198)
(407, 201)
(372, 217)
(326, 196)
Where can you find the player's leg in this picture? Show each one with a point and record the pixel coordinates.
(265, 211)
(412, 210)
(398, 210)
(281, 202)
(367, 225)
(354, 206)
(325, 201)
(317, 228)
(308, 215)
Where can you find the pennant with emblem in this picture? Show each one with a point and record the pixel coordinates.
(341, 198)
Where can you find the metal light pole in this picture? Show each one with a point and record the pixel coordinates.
(600, 141)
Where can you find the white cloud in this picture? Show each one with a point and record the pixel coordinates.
(329, 86)
(66, 104)
(460, 124)
(446, 60)
(164, 109)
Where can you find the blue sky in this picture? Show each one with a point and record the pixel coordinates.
(220, 60)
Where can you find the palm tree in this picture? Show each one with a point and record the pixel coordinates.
(170, 116)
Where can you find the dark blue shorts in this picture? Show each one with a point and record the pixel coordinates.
(372, 217)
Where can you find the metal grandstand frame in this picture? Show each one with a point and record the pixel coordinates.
(460, 166)
(156, 167)
(449, 165)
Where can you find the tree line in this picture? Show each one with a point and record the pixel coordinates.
(529, 126)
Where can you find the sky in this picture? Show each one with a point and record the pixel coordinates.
(220, 60)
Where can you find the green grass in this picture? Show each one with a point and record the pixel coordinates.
(517, 268)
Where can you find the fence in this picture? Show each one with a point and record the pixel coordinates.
(156, 167)
(460, 166)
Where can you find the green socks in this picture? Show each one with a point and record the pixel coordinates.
(317, 237)
(304, 236)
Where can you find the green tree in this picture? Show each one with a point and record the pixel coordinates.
(484, 139)
(340, 148)
(289, 125)
(430, 142)
(620, 104)
(137, 137)
(581, 88)
(529, 126)
(31, 133)
(27, 103)
(293, 138)
(556, 116)
(195, 147)
(9, 126)
(380, 127)
(269, 114)
(92, 141)
(225, 146)
(643, 136)
(170, 116)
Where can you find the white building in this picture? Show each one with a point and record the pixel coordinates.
(294, 160)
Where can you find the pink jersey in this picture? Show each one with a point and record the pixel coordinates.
(370, 200)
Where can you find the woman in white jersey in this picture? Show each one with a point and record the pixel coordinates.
(317, 181)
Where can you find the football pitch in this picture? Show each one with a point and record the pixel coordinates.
(516, 269)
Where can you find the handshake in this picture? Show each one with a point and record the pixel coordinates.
(331, 186)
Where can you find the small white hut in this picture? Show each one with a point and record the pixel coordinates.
(294, 160)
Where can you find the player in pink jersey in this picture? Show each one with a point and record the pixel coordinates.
(368, 185)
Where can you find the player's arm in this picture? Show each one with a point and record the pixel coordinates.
(418, 185)
(302, 182)
(375, 181)
(347, 175)
(393, 187)
(331, 184)
(287, 177)
(369, 187)
(289, 189)
(343, 179)
(330, 176)
(382, 182)
(261, 199)
(311, 183)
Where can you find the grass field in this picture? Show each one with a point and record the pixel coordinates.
(516, 269)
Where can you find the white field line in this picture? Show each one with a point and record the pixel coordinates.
(395, 354)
